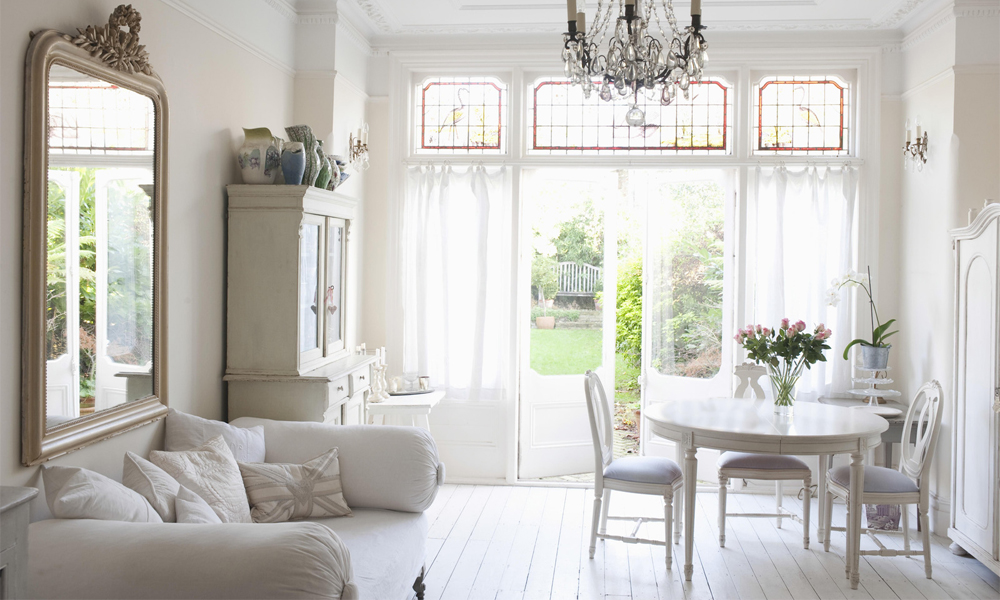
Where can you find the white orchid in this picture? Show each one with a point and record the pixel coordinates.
(832, 297)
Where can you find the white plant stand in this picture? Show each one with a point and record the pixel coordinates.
(873, 394)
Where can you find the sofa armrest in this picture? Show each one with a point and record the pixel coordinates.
(114, 559)
(394, 468)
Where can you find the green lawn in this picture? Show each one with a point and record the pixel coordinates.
(565, 351)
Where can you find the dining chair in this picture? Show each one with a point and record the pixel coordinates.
(652, 475)
(766, 467)
(907, 485)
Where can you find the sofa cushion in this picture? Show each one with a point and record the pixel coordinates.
(107, 559)
(192, 508)
(153, 483)
(211, 472)
(187, 432)
(281, 492)
(77, 493)
(387, 549)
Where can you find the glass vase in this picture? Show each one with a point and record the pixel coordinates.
(784, 382)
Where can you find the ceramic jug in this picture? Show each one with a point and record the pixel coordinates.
(259, 157)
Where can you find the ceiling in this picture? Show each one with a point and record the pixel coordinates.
(549, 16)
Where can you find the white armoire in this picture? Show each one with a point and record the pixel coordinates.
(289, 333)
(975, 485)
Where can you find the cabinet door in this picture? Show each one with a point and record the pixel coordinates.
(334, 415)
(975, 420)
(312, 245)
(336, 292)
(354, 410)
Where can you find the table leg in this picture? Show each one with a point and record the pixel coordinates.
(821, 525)
(690, 488)
(857, 491)
(679, 498)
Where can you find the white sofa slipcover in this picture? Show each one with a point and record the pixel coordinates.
(390, 476)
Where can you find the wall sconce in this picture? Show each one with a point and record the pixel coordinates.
(359, 149)
(915, 152)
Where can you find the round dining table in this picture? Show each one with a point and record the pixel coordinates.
(743, 425)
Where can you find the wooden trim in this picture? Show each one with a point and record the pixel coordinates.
(38, 444)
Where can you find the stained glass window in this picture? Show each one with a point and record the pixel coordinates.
(96, 117)
(802, 115)
(462, 115)
(563, 121)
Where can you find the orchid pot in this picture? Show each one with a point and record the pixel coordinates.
(875, 358)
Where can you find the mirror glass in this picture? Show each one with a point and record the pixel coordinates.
(99, 252)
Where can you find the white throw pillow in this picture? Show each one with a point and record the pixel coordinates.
(153, 483)
(192, 508)
(211, 472)
(187, 432)
(280, 492)
(76, 493)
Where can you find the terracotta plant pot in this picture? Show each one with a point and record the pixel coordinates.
(545, 322)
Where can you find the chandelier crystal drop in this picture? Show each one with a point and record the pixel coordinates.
(628, 60)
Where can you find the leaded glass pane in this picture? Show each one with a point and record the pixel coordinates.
(802, 115)
(461, 115)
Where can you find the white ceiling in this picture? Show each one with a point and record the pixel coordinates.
(525, 16)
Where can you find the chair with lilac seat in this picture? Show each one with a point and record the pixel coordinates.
(767, 467)
(635, 474)
(907, 485)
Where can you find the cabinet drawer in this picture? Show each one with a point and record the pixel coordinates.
(338, 391)
(360, 380)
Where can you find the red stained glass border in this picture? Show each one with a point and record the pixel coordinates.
(760, 118)
(722, 148)
(423, 115)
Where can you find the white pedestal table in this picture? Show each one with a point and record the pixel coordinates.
(752, 426)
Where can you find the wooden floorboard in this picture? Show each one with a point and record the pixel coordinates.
(499, 542)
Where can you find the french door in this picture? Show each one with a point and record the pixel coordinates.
(660, 241)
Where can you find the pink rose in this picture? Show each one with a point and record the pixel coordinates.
(737, 338)
(827, 333)
(766, 331)
(759, 329)
(820, 328)
(800, 325)
(784, 323)
(791, 332)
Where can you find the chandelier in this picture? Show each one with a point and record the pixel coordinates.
(629, 61)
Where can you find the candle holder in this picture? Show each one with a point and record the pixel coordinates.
(358, 151)
(917, 151)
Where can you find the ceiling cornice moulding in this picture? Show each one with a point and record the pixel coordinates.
(283, 8)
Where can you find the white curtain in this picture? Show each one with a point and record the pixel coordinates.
(455, 270)
(800, 237)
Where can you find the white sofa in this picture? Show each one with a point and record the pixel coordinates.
(390, 476)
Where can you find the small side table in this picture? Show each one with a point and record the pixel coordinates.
(14, 518)
(890, 436)
(413, 409)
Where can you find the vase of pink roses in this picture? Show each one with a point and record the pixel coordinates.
(786, 351)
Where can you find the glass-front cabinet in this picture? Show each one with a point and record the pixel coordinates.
(289, 334)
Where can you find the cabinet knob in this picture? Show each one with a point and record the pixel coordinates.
(340, 388)
(362, 377)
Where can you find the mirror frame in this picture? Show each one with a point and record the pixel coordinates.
(83, 53)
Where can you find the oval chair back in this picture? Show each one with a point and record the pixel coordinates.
(925, 411)
(601, 426)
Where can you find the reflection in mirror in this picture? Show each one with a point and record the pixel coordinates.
(99, 251)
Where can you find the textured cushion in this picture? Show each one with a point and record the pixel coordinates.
(387, 549)
(211, 472)
(191, 508)
(76, 493)
(878, 480)
(280, 492)
(381, 467)
(155, 485)
(643, 469)
(187, 432)
(749, 460)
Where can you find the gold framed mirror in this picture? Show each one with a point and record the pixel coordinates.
(94, 281)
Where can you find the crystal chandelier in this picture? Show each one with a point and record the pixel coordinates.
(633, 61)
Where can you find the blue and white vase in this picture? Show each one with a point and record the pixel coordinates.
(259, 157)
(304, 134)
(293, 162)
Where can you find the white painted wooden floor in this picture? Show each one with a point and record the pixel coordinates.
(531, 542)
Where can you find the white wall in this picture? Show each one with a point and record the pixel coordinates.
(950, 79)
(214, 87)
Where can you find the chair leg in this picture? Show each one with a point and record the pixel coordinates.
(806, 505)
(926, 532)
(678, 507)
(850, 538)
(827, 520)
(723, 482)
(777, 500)
(906, 527)
(594, 524)
(604, 512)
(668, 510)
